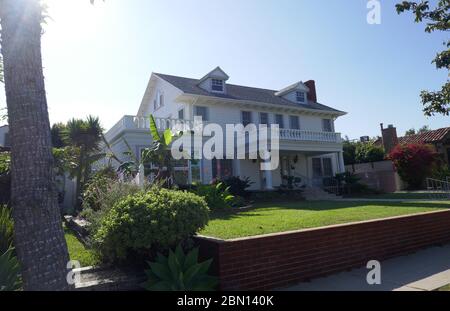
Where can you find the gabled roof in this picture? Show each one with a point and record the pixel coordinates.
(426, 138)
(245, 93)
(215, 73)
(299, 86)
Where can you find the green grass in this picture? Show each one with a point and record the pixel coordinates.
(77, 250)
(271, 218)
(400, 195)
(445, 288)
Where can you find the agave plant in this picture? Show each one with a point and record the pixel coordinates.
(9, 272)
(180, 272)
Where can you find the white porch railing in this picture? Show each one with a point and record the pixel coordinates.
(300, 135)
(143, 123)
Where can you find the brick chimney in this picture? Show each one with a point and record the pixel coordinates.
(389, 136)
(312, 95)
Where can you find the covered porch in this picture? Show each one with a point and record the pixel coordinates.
(296, 170)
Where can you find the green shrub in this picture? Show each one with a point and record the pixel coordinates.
(9, 266)
(101, 195)
(95, 188)
(362, 152)
(9, 271)
(5, 177)
(441, 172)
(237, 186)
(217, 196)
(6, 229)
(367, 153)
(157, 219)
(349, 183)
(180, 272)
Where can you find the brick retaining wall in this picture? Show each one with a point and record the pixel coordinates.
(277, 260)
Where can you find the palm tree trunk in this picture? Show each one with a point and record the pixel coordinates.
(39, 237)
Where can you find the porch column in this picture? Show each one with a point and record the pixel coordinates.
(237, 167)
(269, 183)
(341, 162)
(189, 172)
(308, 171)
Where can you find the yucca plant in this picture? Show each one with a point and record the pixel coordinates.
(180, 272)
(9, 272)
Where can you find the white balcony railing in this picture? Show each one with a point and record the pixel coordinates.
(143, 124)
(300, 135)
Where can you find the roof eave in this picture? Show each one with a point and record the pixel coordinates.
(336, 113)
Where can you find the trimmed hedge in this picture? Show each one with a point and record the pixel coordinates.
(157, 219)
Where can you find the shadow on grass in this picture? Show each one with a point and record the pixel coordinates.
(318, 206)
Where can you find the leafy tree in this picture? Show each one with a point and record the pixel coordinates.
(349, 152)
(39, 237)
(410, 132)
(159, 153)
(84, 136)
(57, 135)
(362, 152)
(424, 129)
(414, 163)
(437, 19)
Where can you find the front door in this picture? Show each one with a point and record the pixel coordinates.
(322, 168)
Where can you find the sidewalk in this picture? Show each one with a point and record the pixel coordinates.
(425, 270)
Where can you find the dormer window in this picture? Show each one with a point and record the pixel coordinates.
(300, 96)
(217, 85)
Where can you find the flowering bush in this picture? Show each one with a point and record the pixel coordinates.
(413, 162)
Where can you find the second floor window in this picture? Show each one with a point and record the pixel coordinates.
(294, 122)
(279, 120)
(161, 100)
(327, 125)
(300, 97)
(264, 118)
(246, 118)
(201, 112)
(217, 85)
(181, 114)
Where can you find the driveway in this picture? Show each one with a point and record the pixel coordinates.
(425, 270)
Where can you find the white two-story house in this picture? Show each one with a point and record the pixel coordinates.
(310, 148)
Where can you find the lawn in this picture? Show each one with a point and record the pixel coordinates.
(402, 196)
(77, 250)
(271, 218)
(445, 288)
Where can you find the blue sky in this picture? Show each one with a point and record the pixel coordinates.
(98, 59)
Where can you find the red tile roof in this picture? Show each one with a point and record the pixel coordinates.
(425, 138)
